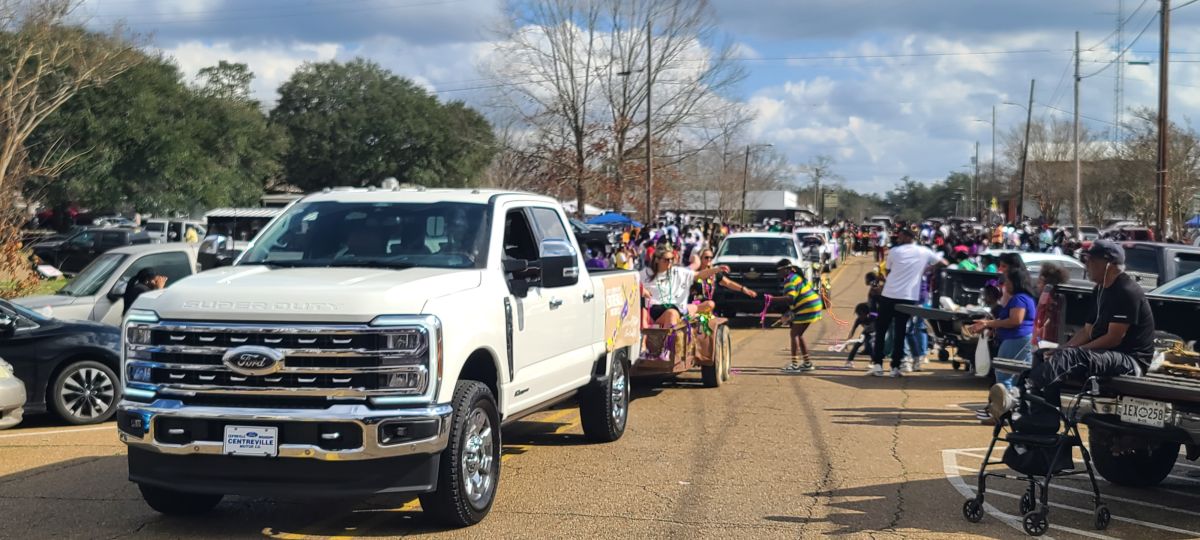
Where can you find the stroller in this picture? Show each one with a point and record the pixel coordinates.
(1039, 450)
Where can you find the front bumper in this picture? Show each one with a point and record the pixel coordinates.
(168, 427)
(12, 401)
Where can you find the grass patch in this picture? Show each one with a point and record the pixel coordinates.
(49, 286)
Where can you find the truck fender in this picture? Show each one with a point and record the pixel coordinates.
(483, 366)
(600, 371)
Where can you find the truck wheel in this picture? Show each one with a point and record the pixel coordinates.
(470, 465)
(603, 410)
(84, 393)
(1143, 467)
(178, 503)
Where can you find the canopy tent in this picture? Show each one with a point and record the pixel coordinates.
(613, 218)
(1194, 222)
(588, 210)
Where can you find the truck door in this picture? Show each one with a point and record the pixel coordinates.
(572, 300)
(539, 329)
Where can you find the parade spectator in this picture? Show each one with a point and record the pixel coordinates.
(906, 264)
(1117, 338)
(1013, 325)
(1045, 327)
(804, 308)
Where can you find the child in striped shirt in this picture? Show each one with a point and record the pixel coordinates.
(804, 308)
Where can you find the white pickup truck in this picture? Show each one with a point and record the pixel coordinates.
(374, 341)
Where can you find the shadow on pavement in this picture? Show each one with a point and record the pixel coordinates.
(883, 416)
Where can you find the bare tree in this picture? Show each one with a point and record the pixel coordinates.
(687, 68)
(820, 173)
(46, 63)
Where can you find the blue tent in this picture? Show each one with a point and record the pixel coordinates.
(1194, 222)
(613, 218)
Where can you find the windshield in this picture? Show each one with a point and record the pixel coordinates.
(758, 247)
(1188, 286)
(382, 235)
(93, 276)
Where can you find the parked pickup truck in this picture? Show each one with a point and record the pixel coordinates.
(1136, 429)
(374, 341)
(1151, 264)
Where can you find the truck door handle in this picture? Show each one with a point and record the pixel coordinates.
(555, 302)
(588, 296)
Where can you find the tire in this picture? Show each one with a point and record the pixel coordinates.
(711, 375)
(725, 342)
(84, 392)
(178, 503)
(604, 410)
(469, 471)
(944, 356)
(1143, 467)
(973, 510)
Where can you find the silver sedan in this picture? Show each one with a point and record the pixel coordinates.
(12, 397)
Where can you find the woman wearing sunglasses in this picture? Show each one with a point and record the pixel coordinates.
(667, 286)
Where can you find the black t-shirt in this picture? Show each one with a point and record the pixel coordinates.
(1124, 302)
(133, 291)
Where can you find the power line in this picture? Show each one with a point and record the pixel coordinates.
(1185, 4)
(1122, 53)
(1119, 26)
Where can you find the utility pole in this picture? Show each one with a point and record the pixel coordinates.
(649, 131)
(1025, 155)
(1076, 212)
(1163, 177)
(982, 203)
(974, 184)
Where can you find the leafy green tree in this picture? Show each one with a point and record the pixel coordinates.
(226, 80)
(147, 142)
(356, 124)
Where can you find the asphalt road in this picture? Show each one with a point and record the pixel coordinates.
(770, 455)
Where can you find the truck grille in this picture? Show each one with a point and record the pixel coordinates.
(320, 363)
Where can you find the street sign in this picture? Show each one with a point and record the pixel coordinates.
(831, 200)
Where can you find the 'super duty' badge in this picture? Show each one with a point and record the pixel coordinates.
(253, 360)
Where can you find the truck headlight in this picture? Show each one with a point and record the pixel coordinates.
(413, 342)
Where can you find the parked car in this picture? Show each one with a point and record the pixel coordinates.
(1034, 261)
(752, 258)
(96, 293)
(374, 341)
(12, 396)
(80, 249)
(1130, 233)
(229, 232)
(1187, 286)
(68, 367)
(1153, 264)
(172, 230)
(113, 221)
(830, 248)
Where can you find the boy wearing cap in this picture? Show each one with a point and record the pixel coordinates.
(1117, 338)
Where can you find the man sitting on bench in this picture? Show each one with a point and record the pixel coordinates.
(1117, 338)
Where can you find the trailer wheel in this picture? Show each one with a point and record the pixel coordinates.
(714, 375)
(1141, 467)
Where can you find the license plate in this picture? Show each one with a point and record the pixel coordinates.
(1142, 411)
(251, 441)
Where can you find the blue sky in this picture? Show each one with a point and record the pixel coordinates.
(921, 71)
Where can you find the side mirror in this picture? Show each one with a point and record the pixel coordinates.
(226, 258)
(521, 276)
(560, 263)
(118, 290)
(8, 326)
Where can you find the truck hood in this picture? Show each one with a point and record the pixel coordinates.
(47, 300)
(312, 295)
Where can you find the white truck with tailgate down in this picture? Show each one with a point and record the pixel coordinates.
(373, 341)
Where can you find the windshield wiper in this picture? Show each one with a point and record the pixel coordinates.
(371, 263)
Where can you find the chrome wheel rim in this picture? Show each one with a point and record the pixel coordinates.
(478, 455)
(618, 392)
(87, 393)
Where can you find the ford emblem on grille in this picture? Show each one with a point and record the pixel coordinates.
(253, 360)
